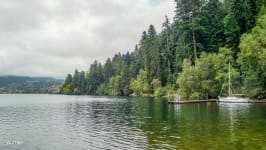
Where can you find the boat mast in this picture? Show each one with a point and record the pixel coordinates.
(229, 89)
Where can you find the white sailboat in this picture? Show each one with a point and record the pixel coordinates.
(232, 98)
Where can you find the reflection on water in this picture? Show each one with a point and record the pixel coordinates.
(235, 112)
(82, 122)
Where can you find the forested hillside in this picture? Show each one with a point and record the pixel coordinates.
(190, 55)
(21, 84)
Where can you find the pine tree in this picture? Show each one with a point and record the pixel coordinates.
(108, 70)
(167, 53)
(67, 87)
(152, 55)
(94, 78)
(186, 12)
(209, 26)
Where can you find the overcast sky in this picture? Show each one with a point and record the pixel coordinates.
(54, 37)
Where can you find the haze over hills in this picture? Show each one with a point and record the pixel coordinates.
(25, 84)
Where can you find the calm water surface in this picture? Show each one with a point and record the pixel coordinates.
(44, 122)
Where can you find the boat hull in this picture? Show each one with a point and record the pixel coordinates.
(232, 99)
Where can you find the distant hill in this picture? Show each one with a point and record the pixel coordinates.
(23, 84)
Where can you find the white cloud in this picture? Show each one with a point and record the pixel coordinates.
(54, 37)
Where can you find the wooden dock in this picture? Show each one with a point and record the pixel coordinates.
(257, 101)
(192, 101)
(209, 101)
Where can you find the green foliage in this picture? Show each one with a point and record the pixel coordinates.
(102, 89)
(239, 20)
(68, 79)
(94, 77)
(188, 80)
(190, 55)
(113, 87)
(150, 46)
(156, 83)
(186, 13)
(159, 92)
(210, 28)
(140, 85)
(252, 59)
(204, 79)
(67, 89)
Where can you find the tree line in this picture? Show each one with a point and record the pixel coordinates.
(189, 56)
(23, 84)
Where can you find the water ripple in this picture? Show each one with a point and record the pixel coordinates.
(83, 122)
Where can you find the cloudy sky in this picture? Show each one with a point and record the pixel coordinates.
(54, 37)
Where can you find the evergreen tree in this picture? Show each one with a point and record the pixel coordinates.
(186, 12)
(143, 49)
(82, 83)
(68, 80)
(94, 78)
(66, 88)
(185, 54)
(108, 70)
(240, 19)
(75, 82)
(167, 53)
(152, 55)
(209, 26)
(137, 62)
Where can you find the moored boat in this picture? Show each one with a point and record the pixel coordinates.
(232, 98)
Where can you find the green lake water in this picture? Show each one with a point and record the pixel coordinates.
(85, 122)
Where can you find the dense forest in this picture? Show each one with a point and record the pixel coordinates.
(22, 84)
(189, 56)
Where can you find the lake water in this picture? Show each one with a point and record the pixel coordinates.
(56, 122)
